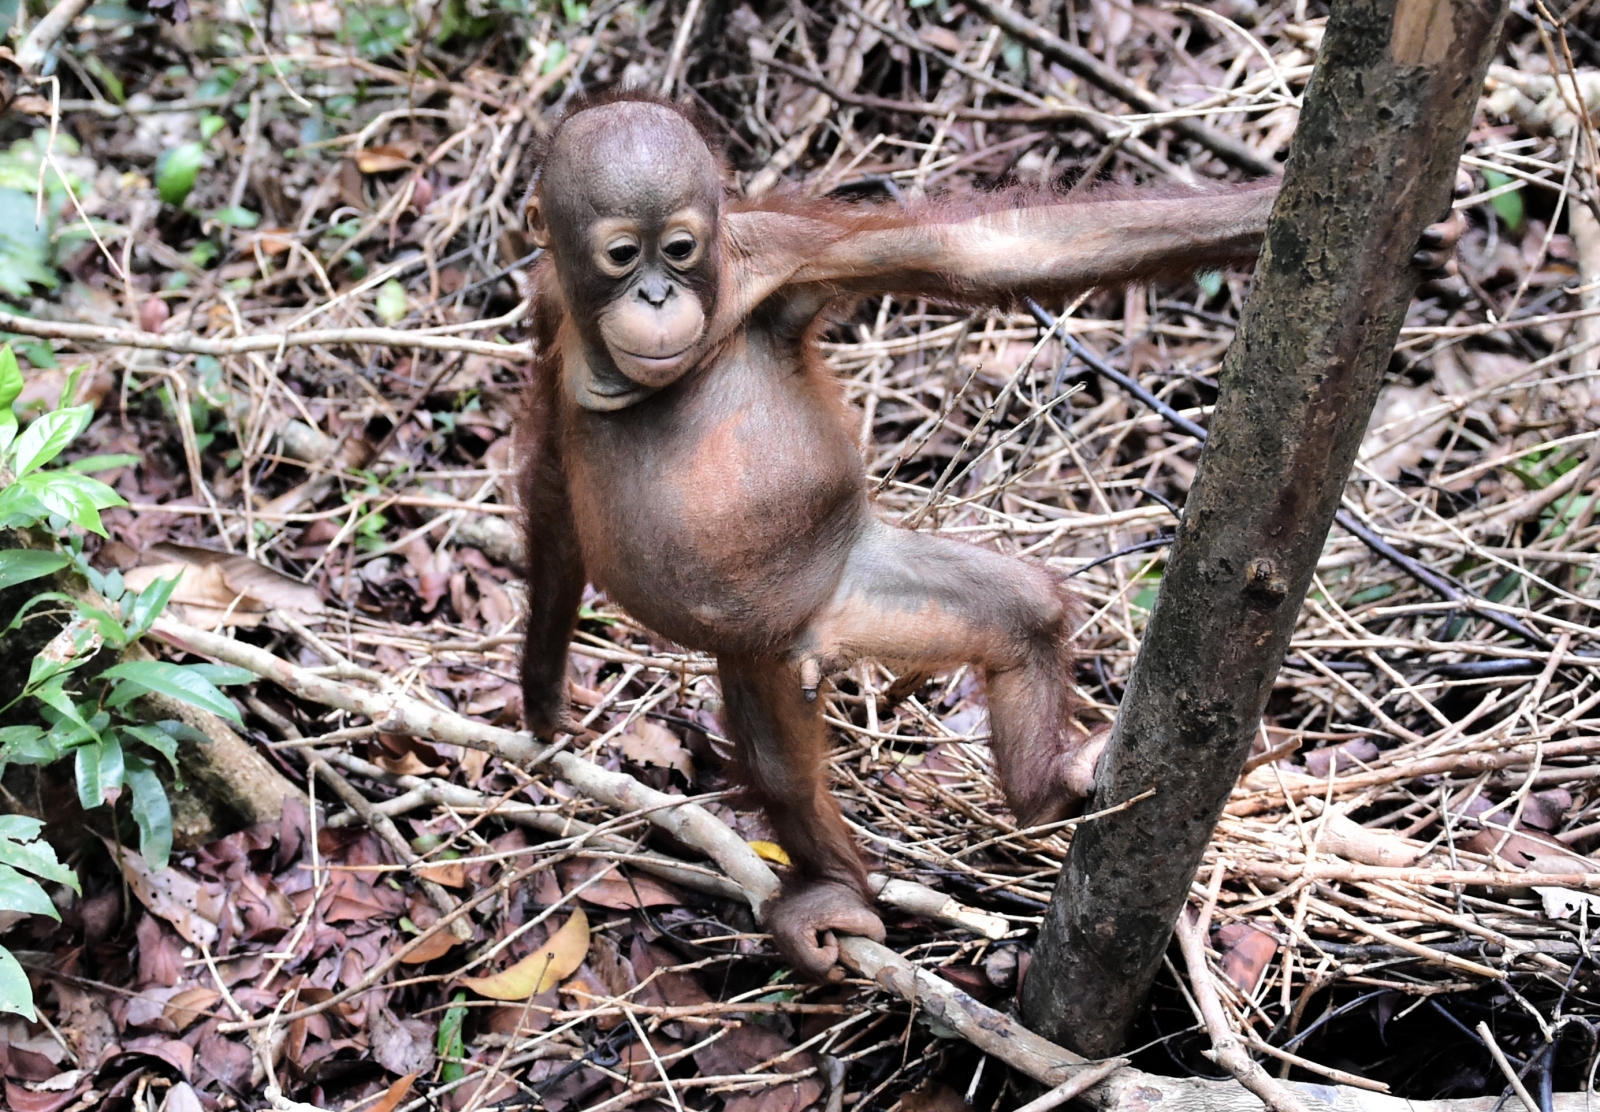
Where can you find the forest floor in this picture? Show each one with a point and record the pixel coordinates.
(348, 507)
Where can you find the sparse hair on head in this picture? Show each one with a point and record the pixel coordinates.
(542, 147)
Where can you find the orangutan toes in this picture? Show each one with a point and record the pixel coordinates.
(804, 918)
(1083, 762)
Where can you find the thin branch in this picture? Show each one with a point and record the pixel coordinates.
(186, 343)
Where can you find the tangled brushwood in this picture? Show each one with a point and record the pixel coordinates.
(284, 244)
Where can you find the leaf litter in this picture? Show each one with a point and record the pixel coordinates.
(366, 173)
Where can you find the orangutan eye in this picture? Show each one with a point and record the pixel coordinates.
(680, 249)
(622, 253)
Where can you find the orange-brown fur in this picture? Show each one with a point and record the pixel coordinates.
(728, 509)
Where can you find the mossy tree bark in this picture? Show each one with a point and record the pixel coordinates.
(1386, 115)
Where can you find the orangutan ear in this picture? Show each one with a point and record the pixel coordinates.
(533, 218)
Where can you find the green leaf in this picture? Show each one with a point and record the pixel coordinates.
(113, 766)
(106, 625)
(18, 565)
(210, 125)
(86, 767)
(96, 493)
(1371, 594)
(1508, 205)
(43, 440)
(1503, 587)
(19, 828)
(391, 301)
(1209, 281)
(10, 377)
(25, 247)
(1014, 56)
(176, 681)
(236, 216)
(102, 73)
(449, 1042)
(89, 465)
(221, 80)
(151, 811)
(35, 856)
(16, 995)
(53, 694)
(78, 498)
(18, 507)
(41, 669)
(159, 740)
(65, 501)
(147, 607)
(25, 745)
(20, 893)
(69, 390)
(39, 353)
(176, 171)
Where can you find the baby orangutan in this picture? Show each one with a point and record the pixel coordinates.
(686, 450)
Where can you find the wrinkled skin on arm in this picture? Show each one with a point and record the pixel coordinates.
(685, 450)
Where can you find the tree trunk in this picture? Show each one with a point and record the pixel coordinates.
(1385, 117)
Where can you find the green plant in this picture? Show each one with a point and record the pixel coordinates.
(21, 851)
(1509, 204)
(176, 171)
(449, 1042)
(378, 31)
(81, 713)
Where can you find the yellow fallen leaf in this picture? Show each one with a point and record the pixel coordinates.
(541, 970)
(771, 851)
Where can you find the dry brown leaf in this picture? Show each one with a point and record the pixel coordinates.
(274, 241)
(273, 589)
(390, 156)
(1522, 848)
(189, 1005)
(401, 1046)
(636, 1059)
(650, 744)
(393, 1095)
(153, 314)
(934, 1096)
(585, 990)
(220, 588)
(1246, 954)
(41, 390)
(541, 970)
(451, 874)
(407, 764)
(940, 38)
(518, 1019)
(175, 896)
(619, 892)
(436, 946)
